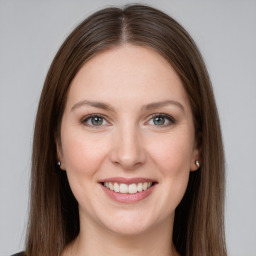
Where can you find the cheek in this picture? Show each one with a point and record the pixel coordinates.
(83, 154)
(172, 158)
(173, 154)
(169, 158)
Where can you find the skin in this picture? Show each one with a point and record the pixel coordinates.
(128, 143)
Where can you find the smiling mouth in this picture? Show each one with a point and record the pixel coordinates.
(123, 188)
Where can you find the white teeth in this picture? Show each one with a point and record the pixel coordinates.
(116, 187)
(124, 188)
(131, 189)
(106, 184)
(145, 186)
(111, 186)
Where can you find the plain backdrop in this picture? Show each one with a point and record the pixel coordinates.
(31, 33)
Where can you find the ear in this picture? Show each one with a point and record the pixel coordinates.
(60, 153)
(196, 159)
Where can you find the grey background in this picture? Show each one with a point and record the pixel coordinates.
(225, 31)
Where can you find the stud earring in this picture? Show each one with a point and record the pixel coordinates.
(197, 163)
(59, 164)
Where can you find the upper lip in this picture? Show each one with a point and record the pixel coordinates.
(127, 181)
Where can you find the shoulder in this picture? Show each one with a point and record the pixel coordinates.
(19, 254)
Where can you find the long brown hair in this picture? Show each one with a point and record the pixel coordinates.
(54, 221)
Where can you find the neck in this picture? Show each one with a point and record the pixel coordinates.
(95, 240)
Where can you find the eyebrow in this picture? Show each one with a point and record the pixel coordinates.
(95, 104)
(160, 104)
(108, 107)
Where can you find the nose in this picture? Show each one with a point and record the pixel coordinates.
(127, 148)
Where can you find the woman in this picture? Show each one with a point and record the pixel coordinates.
(127, 153)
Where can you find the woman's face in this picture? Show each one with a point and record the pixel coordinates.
(127, 140)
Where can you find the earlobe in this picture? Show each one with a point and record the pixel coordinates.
(195, 161)
(59, 161)
(195, 165)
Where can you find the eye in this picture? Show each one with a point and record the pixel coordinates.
(161, 120)
(94, 120)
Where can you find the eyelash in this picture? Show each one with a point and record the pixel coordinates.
(170, 119)
(87, 118)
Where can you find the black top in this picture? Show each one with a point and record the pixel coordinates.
(19, 254)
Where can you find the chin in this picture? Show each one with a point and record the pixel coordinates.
(129, 229)
(131, 224)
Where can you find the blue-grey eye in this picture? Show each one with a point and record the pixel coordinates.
(161, 120)
(94, 120)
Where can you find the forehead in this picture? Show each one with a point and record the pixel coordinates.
(127, 72)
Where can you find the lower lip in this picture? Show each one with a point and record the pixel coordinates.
(128, 198)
